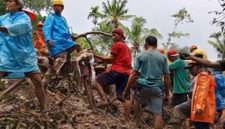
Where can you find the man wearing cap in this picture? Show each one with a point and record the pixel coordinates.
(197, 51)
(150, 67)
(200, 108)
(120, 57)
(17, 54)
(181, 81)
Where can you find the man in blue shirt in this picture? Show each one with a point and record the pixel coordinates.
(56, 32)
(57, 38)
(150, 67)
(17, 54)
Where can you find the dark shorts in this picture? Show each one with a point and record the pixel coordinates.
(112, 77)
(151, 98)
(178, 99)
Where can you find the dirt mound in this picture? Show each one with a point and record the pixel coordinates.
(20, 110)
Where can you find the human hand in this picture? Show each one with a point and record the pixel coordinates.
(184, 56)
(199, 111)
(166, 98)
(3, 29)
(50, 43)
(124, 94)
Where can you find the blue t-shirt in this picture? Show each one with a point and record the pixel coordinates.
(152, 66)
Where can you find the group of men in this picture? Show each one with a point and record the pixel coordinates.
(149, 76)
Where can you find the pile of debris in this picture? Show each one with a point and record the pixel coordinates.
(20, 110)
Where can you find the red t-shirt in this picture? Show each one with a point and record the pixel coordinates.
(122, 60)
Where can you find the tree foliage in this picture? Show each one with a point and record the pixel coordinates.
(2, 7)
(105, 20)
(112, 14)
(138, 32)
(38, 5)
(181, 17)
(219, 19)
(217, 40)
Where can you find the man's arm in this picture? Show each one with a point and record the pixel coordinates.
(131, 80)
(201, 61)
(167, 84)
(105, 58)
(205, 62)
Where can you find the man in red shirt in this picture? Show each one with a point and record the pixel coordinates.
(120, 57)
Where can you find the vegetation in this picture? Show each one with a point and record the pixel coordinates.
(110, 17)
(220, 16)
(217, 40)
(138, 32)
(182, 16)
(113, 13)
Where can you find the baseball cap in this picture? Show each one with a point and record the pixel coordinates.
(118, 31)
(172, 52)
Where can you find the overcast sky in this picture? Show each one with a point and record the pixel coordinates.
(158, 15)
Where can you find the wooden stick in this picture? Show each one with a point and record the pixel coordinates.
(12, 87)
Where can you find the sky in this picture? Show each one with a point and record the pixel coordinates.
(158, 15)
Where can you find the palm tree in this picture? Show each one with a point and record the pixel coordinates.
(115, 12)
(218, 42)
(112, 13)
(95, 14)
(137, 33)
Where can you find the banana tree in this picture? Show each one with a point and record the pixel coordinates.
(217, 40)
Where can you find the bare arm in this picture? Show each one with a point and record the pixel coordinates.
(108, 59)
(167, 84)
(132, 79)
(205, 62)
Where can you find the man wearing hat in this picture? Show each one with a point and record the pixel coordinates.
(17, 53)
(181, 81)
(120, 57)
(200, 108)
(57, 38)
(56, 32)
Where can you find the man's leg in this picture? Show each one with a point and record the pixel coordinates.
(48, 74)
(222, 119)
(158, 122)
(179, 114)
(101, 92)
(154, 105)
(121, 81)
(39, 89)
(103, 80)
(127, 109)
